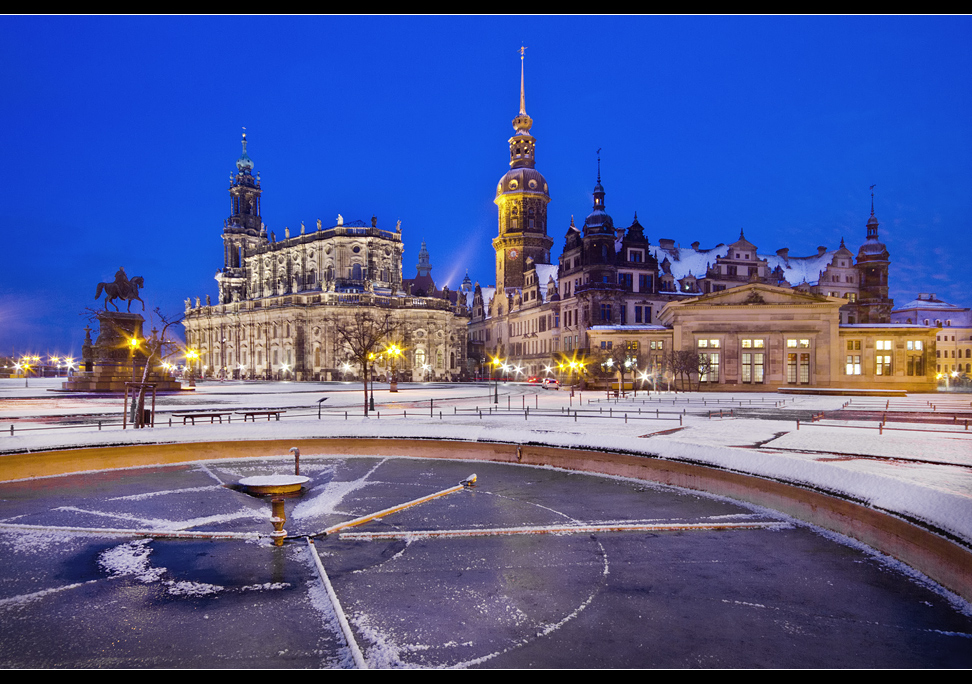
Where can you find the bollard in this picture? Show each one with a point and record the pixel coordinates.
(279, 517)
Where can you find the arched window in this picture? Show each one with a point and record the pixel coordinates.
(356, 272)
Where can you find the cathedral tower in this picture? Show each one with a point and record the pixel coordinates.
(242, 231)
(521, 197)
(872, 267)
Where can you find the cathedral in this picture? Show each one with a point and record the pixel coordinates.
(756, 320)
(281, 300)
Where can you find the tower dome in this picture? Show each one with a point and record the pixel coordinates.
(598, 221)
(244, 163)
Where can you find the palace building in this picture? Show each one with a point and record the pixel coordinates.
(280, 301)
(758, 320)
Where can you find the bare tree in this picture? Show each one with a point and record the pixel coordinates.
(703, 367)
(683, 364)
(364, 335)
(155, 349)
(613, 361)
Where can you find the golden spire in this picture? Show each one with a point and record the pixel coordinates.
(522, 50)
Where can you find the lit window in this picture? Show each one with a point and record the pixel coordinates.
(752, 367)
(710, 362)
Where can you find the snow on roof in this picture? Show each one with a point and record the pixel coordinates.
(928, 304)
(799, 270)
(488, 293)
(688, 260)
(545, 272)
(796, 270)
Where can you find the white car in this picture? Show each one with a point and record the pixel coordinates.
(551, 383)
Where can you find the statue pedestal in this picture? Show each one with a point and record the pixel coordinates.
(109, 362)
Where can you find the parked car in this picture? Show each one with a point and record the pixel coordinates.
(551, 383)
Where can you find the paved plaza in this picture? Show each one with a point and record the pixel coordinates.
(532, 567)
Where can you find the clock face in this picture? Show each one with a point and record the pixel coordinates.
(513, 254)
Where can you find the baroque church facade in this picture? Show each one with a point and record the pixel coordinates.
(757, 319)
(280, 301)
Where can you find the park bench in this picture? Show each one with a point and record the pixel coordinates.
(266, 412)
(211, 415)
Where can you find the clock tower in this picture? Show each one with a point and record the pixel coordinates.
(521, 197)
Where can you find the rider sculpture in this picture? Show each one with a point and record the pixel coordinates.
(122, 288)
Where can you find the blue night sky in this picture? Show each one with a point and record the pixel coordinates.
(120, 134)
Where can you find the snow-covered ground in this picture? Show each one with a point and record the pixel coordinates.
(922, 471)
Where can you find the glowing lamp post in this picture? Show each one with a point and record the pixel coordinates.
(496, 366)
(132, 347)
(191, 355)
(394, 351)
(371, 372)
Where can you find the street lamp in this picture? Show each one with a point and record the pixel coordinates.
(191, 355)
(394, 351)
(495, 366)
(132, 346)
(24, 366)
(371, 358)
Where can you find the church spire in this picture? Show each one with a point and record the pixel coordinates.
(423, 268)
(522, 89)
(598, 189)
(872, 222)
(244, 164)
(522, 144)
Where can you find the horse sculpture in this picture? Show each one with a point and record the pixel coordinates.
(123, 289)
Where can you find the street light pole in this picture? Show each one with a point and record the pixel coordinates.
(372, 372)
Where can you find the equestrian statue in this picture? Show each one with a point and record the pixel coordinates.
(122, 288)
